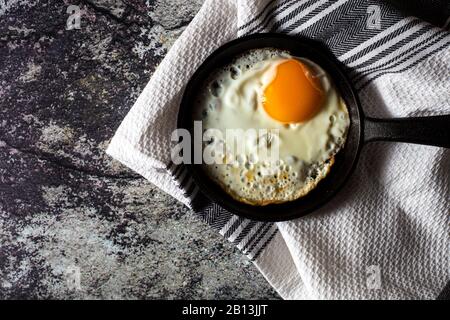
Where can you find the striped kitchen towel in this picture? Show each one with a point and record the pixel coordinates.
(386, 234)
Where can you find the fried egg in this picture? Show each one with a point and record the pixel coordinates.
(276, 102)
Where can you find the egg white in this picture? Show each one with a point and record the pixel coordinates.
(234, 101)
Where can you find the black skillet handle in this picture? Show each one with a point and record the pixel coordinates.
(433, 131)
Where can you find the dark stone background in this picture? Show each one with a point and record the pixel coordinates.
(64, 204)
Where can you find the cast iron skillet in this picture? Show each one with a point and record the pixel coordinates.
(422, 130)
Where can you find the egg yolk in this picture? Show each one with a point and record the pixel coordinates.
(293, 95)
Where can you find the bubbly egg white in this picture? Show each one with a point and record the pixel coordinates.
(234, 101)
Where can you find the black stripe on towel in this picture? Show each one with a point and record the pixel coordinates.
(445, 293)
(401, 58)
(263, 11)
(256, 255)
(406, 54)
(253, 241)
(363, 85)
(274, 11)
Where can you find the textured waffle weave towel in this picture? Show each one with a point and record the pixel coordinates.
(386, 234)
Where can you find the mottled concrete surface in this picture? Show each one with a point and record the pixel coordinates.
(65, 206)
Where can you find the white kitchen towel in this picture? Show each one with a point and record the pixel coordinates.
(386, 234)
